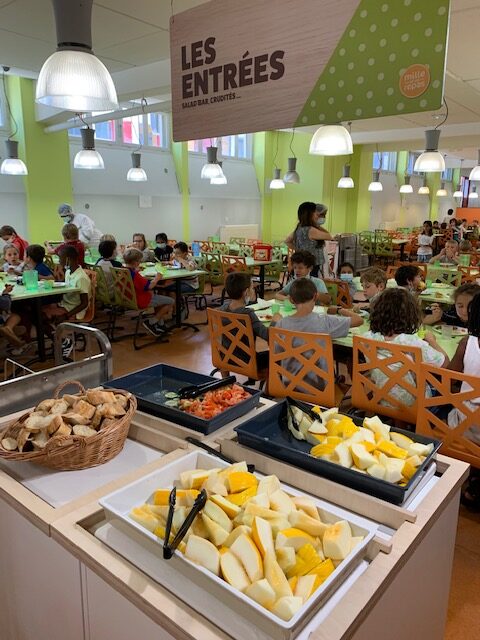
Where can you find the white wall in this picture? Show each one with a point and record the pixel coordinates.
(13, 208)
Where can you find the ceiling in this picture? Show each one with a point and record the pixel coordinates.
(132, 39)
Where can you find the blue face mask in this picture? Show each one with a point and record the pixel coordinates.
(321, 221)
(348, 277)
(161, 245)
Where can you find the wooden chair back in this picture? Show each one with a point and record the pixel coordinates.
(232, 342)
(301, 366)
(204, 245)
(366, 240)
(233, 263)
(124, 291)
(219, 247)
(90, 312)
(447, 275)
(48, 260)
(172, 243)
(391, 270)
(245, 250)
(212, 264)
(383, 244)
(469, 274)
(455, 401)
(339, 292)
(385, 377)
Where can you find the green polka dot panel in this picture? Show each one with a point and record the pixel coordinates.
(362, 79)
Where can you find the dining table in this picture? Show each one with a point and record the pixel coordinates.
(260, 264)
(400, 242)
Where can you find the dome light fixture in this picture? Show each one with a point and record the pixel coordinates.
(73, 78)
(375, 185)
(136, 173)
(424, 189)
(292, 176)
(211, 169)
(473, 195)
(88, 158)
(331, 140)
(475, 172)
(431, 160)
(346, 182)
(277, 182)
(458, 193)
(12, 165)
(442, 192)
(222, 180)
(406, 186)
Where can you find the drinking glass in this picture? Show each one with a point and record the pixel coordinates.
(30, 280)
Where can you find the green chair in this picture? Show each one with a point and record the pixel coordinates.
(384, 246)
(212, 264)
(366, 240)
(237, 240)
(219, 247)
(198, 297)
(275, 273)
(448, 276)
(105, 296)
(246, 250)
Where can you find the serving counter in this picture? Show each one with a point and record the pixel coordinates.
(61, 580)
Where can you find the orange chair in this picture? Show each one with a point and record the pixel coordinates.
(462, 403)
(469, 274)
(421, 265)
(374, 379)
(340, 293)
(232, 342)
(301, 366)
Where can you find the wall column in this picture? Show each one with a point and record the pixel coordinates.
(262, 161)
(47, 156)
(180, 159)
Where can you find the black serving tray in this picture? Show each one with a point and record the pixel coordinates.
(147, 384)
(269, 434)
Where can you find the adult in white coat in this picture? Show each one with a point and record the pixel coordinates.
(87, 231)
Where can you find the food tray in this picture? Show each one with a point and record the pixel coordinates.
(148, 384)
(118, 504)
(269, 434)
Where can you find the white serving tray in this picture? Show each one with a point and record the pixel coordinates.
(118, 505)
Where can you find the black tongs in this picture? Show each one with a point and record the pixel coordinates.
(200, 500)
(303, 406)
(195, 390)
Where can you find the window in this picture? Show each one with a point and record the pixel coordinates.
(385, 161)
(103, 131)
(155, 130)
(238, 146)
(132, 130)
(447, 175)
(412, 158)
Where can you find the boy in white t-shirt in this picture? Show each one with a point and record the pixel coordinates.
(73, 305)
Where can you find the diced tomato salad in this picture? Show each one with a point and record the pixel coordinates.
(214, 402)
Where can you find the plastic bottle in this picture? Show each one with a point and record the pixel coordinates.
(67, 276)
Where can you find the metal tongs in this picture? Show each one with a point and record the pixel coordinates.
(200, 500)
(195, 390)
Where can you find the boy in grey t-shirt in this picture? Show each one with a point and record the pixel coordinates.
(303, 295)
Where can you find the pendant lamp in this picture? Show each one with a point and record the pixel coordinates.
(346, 182)
(12, 165)
(211, 169)
(73, 78)
(424, 189)
(473, 195)
(277, 182)
(88, 158)
(475, 172)
(331, 140)
(292, 176)
(431, 159)
(222, 180)
(375, 185)
(442, 192)
(406, 187)
(136, 173)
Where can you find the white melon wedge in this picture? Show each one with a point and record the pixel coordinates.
(286, 558)
(179, 516)
(419, 449)
(293, 537)
(300, 520)
(236, 533)
(400, 440)
(337, 540)
(377, 471)
(362, 435)
(261, 592)
(262, 535)
(233, 571)
(377, 426)
(356, 540)
(232, 510)
(248, 554)
(287, 607)
(261, 500)
(361, 457)
(317, 426)
(275, 576)
(278, 524)
(216, 533)
(307, 505)
(262, 512)
(204, 553)
(281, 501)
(305, 586)
(342, 455)
(393, 470)
(415, 461)
(217, 514)
(215, 484)
(144, 519)
(233, 468)
(325, 416)
(268, 485)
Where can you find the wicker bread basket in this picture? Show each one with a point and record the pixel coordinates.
(70, 453)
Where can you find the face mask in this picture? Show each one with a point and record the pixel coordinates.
(348, 277)
(161, 245)
(321, 221)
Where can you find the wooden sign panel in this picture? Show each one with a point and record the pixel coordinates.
(252, 65)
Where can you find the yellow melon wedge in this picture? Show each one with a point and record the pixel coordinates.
(337, 540)
(216, 533)
(275, 576)
(261, 592)
(238, 481)
(232, 510)
(204, 553)
(307, 505)
(286, 558)
(217, 514)
(262, 535)
(282, 502)
(312, 526)
(246, 551)
(305, 587)
(233, 571)
(236, 533)
(286, 608)
(293, 537)
(400, 440)
(146, 520)
(268, 485)
(242, 497)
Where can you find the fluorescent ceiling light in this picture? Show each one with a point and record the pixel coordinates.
(376, 185)
(73, 78)
(331, 140)
(430, 160)
(12, 165)
(136, 173)
(277, 182)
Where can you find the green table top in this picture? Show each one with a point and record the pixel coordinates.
(21, 293)
(171, 274)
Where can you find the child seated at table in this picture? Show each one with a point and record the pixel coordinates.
(303, 294)
(303, 263)
(448, 255)
(34, 261)
(238, 286)
(73, 305)
(12, 264)
(163, 251)
(9, 320)
(182, 258)
(139, 242)
(10, 236)
(146, 297)
(70, 239)
(396, 318)
(108, 252)
(409, 277)
(346, 272)
(459, 314)
(373, 281)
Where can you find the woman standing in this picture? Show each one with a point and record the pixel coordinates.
(309, 234)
